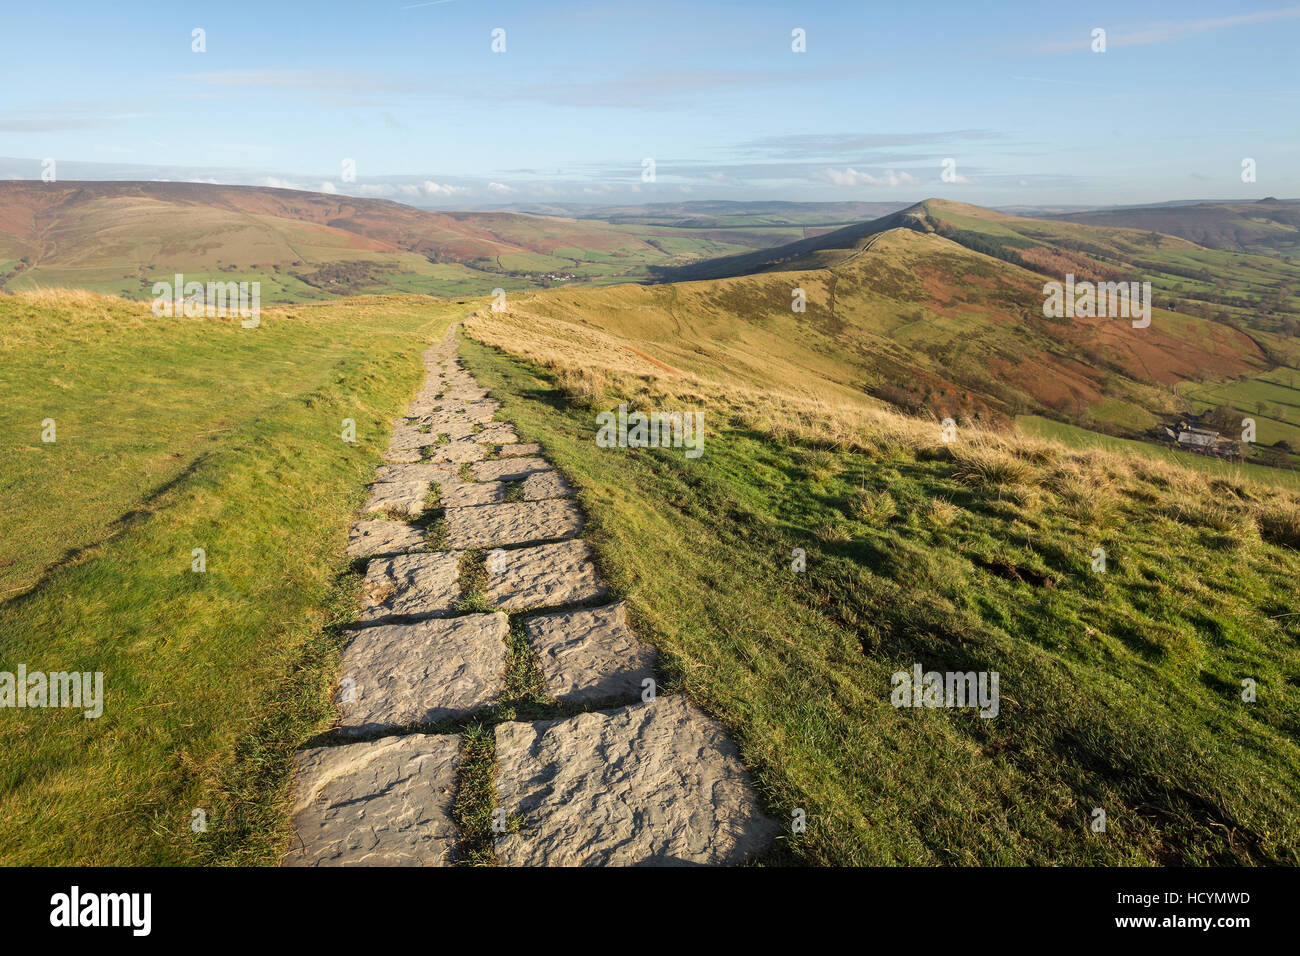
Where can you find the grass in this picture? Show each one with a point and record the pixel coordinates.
(476, 796)
(176, 434)
(1120, 689)
(1076, 437)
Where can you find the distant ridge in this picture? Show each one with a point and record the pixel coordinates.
(1267, 226)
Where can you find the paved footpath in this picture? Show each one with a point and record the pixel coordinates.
(623, 782)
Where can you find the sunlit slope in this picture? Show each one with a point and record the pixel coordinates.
(913, 318)
(1268, 226)
(122, 237)
(1121, 688)
(173, 435)
(1259, 292)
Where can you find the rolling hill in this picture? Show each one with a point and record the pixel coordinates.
(120, 237)
(940, 307)
(937, 306)
(1267, 226)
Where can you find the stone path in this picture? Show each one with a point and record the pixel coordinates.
(644, 781)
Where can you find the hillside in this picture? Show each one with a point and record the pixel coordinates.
(924, 322)
(941, 307)
(1121, 688)
(121, 237)
(1266, 226)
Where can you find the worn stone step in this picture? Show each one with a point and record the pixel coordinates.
(508, 469)
(547, 575)
(404, 488)
(590, 655)
(411, 585)
(460, 451)
(519, 522)
(383, 802)
(405, 675)
(530, 449)
(432, 428)
(545, 484)
(537, 487)
(497, 433)
(372, 538)
(653, 783)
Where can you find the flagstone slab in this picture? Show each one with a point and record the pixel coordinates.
(409, 437)
(404, 488)
(437, 426)
(458, 452)
(404, 456)
(419, 471)
(517, 522)
(371, 538)
(654, 783)
(508, 469)
(406, 675)
(379, 803)
(480, 411)
(590, 655)
(397, 497)
(547, 575)
(469, 494)
(411, 585)
(546, 484)
(519, 451)
(497, 433)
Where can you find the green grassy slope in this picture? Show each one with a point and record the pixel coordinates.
(175, 434)
(1120, 690)
(924, 323)
(963, 308)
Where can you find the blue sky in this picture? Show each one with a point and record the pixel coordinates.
(713, 92)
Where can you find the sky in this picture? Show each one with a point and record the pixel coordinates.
(583, 94)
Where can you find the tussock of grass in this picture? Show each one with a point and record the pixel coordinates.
(988, 463)
(874, 508)
(1279, 523)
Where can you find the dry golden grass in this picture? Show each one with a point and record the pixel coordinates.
(597, 368)
(1279, 521)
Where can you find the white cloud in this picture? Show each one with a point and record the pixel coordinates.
(499, 188)
(852, 177)
(276, 182)
(441, 189)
